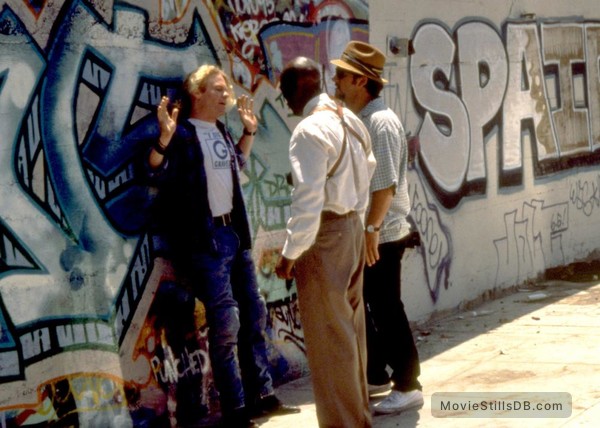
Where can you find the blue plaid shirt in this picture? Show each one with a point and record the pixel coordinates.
(391, 152)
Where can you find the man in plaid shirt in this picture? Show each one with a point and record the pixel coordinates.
(390, 342)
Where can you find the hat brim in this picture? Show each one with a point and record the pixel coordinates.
(348, 67)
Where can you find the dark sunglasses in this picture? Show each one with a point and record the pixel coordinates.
(340, 74)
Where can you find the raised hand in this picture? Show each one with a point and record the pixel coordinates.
(166, 121)
(245, 107)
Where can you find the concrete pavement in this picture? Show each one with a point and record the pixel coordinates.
(542, 338)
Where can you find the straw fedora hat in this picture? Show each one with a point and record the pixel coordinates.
(363, 59)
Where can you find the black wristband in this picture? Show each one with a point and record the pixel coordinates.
(159, 148)
(246, 132)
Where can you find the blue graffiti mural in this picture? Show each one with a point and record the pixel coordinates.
(79, 280)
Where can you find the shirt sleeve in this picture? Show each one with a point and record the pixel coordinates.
(308, 156)
(371, 168)
(386, 148)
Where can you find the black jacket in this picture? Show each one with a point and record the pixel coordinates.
(180, 213)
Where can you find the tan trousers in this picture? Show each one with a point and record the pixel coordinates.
(329, 280)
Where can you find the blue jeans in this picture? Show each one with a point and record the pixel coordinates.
(236, 312)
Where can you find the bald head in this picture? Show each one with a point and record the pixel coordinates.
(300, 81)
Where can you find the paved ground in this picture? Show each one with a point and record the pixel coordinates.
(542, 339)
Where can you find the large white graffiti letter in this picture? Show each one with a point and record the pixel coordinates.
(526, 112)
(444, 134)
(564, 62)
(482, 78)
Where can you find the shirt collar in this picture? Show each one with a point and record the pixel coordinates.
(201, 123)
(320, 99)
(373, 106)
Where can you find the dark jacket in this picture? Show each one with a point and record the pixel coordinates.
(180, 213)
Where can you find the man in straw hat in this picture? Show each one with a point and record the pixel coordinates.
(332, 163)
(358, 81)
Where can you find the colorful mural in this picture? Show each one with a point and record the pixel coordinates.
(96, 329)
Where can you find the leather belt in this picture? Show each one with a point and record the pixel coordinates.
(222, 220)
(330, 215)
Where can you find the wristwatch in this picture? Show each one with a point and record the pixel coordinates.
(372, 229)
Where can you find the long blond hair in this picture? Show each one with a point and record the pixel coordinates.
(196, 81)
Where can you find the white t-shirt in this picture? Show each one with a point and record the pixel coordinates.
(217, 163)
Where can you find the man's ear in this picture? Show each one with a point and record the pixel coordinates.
(361, 80)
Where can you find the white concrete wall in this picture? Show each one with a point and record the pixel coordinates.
(503, 204)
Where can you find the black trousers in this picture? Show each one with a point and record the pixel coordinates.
(389, 338)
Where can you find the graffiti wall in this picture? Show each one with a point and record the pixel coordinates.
(95, 327)
(501, 100)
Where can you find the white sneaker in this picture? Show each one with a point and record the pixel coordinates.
(398, 401)
(379, 389)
